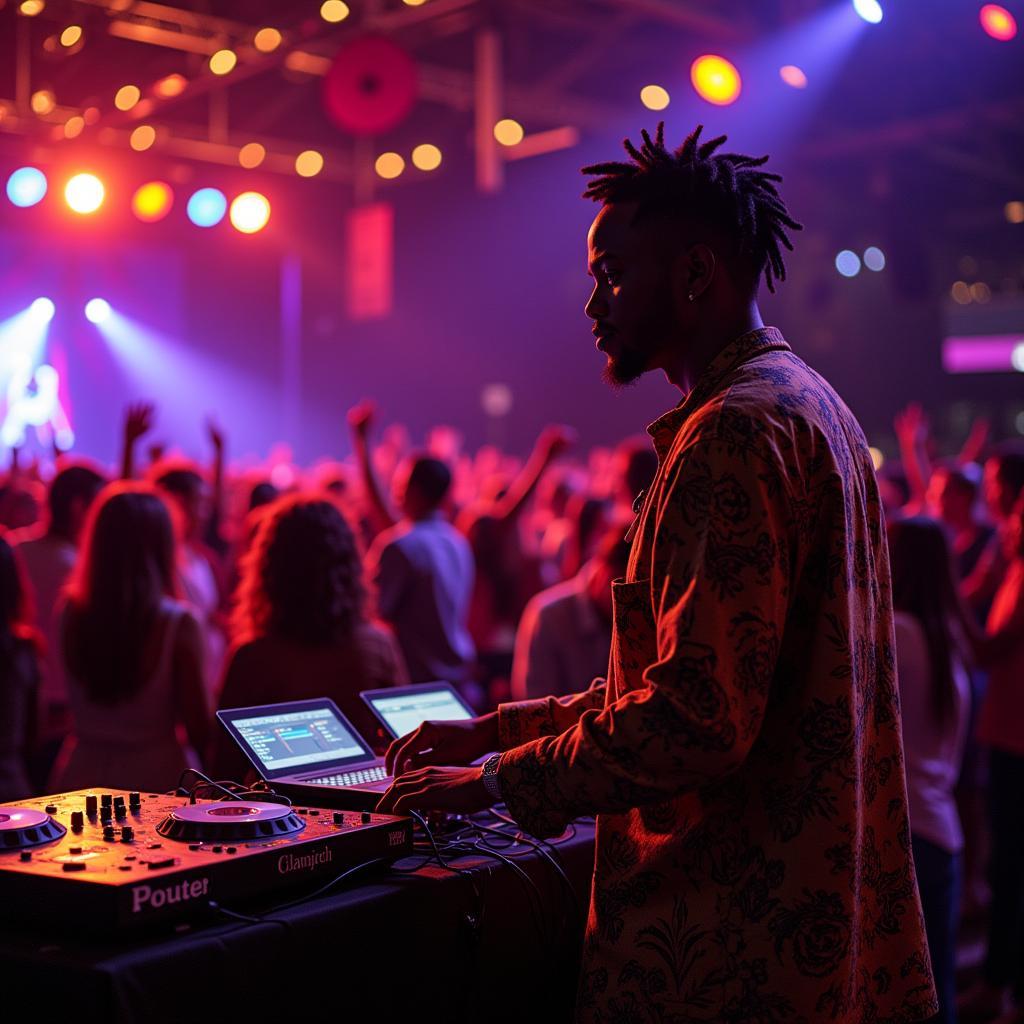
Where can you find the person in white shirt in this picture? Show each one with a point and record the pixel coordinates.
(565, 632)
(48, 554)
(935, 700)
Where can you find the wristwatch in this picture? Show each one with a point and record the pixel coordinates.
(490, 778)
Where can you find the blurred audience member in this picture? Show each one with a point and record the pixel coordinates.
(952, 497)
(566, 631)
(19, 678)
(935, 701)
(133, 652)
(48, 554)
(300, 627)
(635, 462)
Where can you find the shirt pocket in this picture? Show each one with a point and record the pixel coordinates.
(634, 635)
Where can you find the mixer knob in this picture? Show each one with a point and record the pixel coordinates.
(127, 834)
(366, 817)
(109, 834)
(134, 800)
(50, 808)
(106, 815)
(25, 855)
(339, 818)
(73, 865)
(90, 805)
(106, 800)
(77, 821)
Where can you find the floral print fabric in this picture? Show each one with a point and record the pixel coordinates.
(744, 756)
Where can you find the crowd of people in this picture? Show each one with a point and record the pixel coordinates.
(134, 603)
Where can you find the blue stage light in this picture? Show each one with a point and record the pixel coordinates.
(869, 10)
(207, 207)
(26, 186)
(874, 258)
(97, 310)
(848, 263)
(42, 310)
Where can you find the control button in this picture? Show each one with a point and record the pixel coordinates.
(124, 867)
(127, 834)
(365, 817)
(232, 849)
(131, 856)
(73, 865)
(339, 818)
(109, 834)
(301, 810)
(90, 805)
(25, 855)
(217, 849)
(167, 862)
(195, 846)
(74, 849)
(50, 808)
(77, 821)
(134, 800)
(106, 800)
(314, 813)
(106, 814)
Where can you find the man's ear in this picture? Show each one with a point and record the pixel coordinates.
(700, 265)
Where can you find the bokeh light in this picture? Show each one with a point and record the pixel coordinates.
(334, 11)
(71, 35)
(961, 292)
(152, 201)
(389, 165)
(142, 137)
(508, 132)
(426, 157)
(654, 97)
(223, 62)
(250, 212)
(30, 8)
(309, 163)
(1014, 212)
(206, 207)
(251, 155)
(170, 85)
(877, 458)
(715, 79)
(793, 76)
(267, 40)
(42, 310)
(848, 263)
(998, 22)
(127, 96)
(874, 258)
(43, 102)
(97, 310)
(1017, 357)
(84, 193)
(869, 10)
(74, 126)
(26, 186)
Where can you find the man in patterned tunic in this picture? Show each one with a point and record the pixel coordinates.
(744, 756)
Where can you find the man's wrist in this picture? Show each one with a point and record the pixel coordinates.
(489, 777)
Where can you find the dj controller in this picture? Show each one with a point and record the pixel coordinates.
(106, 861)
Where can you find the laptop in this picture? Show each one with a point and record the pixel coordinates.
(309, 751)
(401, 709)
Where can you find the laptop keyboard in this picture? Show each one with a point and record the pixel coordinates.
(375, 774)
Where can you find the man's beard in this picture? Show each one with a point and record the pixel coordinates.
(632, 362)
(625, 369)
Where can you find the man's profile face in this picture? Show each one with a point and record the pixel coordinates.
(632, 302)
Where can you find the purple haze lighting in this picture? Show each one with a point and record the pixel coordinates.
(983, 353)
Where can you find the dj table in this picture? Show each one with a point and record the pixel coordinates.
(493, 935)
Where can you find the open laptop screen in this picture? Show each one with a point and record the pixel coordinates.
(406, 708)
(299, 736)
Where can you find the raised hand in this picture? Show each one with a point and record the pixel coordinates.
(138, 420)
(360, 418)
(215, 434)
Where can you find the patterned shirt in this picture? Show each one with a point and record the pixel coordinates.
(744, 756)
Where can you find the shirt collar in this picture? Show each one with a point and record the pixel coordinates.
(765, 339)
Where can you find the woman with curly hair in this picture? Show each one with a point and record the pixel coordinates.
(300, 627)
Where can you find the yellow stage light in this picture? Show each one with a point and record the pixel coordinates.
(152, 201)
(715, 79)
(426, 157)
(309, 163)
(250, 212)
(389, 165)
(223, 62)
(508, 132)
(84, 193)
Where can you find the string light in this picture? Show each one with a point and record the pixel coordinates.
(127, 96)
(223, 62)
(508, 132)
(426, 157)
(71, 35)
(309, 163)
(389, 165)
(334, 11)
(267, 40)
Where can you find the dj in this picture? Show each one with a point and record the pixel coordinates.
(744, 756)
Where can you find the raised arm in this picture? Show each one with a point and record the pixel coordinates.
(911, 426)
(553, 440)
(360, 419)
(138, 420)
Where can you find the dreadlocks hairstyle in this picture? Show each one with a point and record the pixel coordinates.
(727, 189)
